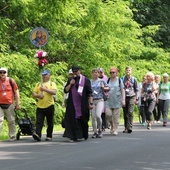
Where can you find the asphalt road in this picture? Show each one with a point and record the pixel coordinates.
(141, 150)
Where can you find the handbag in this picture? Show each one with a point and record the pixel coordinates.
(5, 106)
(105, 95)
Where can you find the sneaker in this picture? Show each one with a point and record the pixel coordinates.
(125, 131)
(154, 121)
(149, 127)
(129, 130)
(143, 124)
(95, 135)
(36, 137)
(100, 134)
(115, 133)
(165, 124)
(158, 121)
(12, 138)
(48, 139)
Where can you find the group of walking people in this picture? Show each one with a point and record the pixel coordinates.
(88, 97)
(100, 97)
(154, 95)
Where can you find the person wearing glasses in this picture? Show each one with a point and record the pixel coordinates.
(115, 101)
(163, 98)
(8, 92)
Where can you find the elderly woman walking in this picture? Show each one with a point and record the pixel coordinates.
(115, 101)
(149, 97)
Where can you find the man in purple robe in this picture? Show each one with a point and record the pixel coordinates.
(79, 103)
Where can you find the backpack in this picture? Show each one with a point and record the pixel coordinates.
(11, 84)
(119, 81)
(133, 79)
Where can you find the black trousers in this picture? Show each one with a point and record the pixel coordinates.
(41, 114)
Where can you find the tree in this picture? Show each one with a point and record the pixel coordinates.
(154, 13)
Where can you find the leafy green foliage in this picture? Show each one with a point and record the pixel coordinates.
(150, 13)
(26, 73)
(87, 33)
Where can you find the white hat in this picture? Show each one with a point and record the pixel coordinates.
(165, 75)
(3, 69)
(70, 71)
(101, 69)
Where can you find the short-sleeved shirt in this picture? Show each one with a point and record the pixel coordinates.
(148, 91)
(164, 91)
(130, 86)
(97, 89)
(6, 92)
(48, 99)
(115, 95)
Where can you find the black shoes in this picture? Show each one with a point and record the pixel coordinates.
(127, 131)
(36, 137)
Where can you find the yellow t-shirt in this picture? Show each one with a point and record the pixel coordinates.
(48, 99)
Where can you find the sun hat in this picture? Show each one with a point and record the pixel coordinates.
(70, 71)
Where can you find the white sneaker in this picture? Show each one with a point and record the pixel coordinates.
(115, 133)
(158, 121)
(100, 135)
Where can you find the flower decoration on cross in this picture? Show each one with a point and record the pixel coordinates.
(41, 56)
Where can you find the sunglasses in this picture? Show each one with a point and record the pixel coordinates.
(112, 72)
(2, 72)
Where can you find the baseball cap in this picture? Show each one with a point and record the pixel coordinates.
(3, 69)
(101, 70)
(75, 68)
(45, 72)
(165, 75)
(70, 71)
